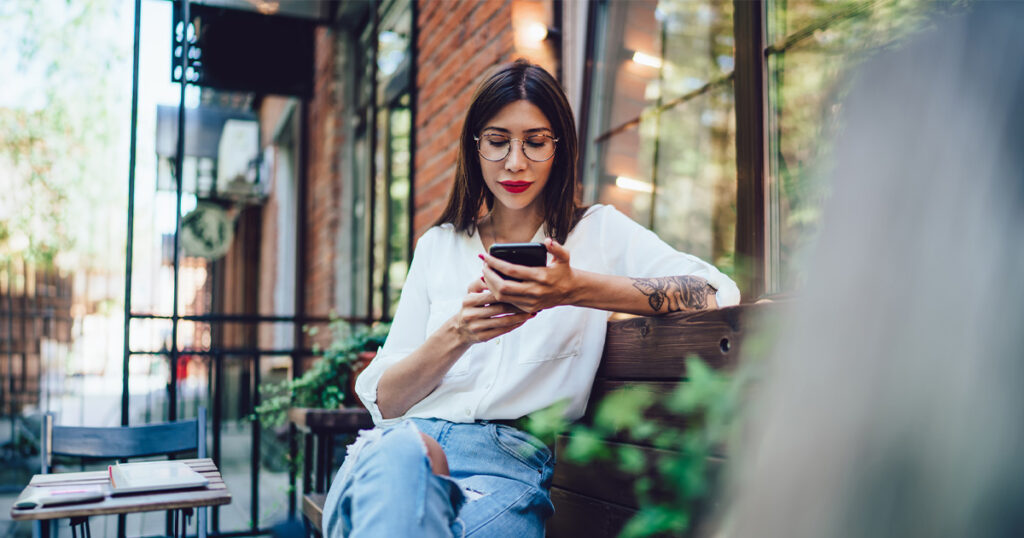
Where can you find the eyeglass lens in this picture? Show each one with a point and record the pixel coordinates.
(496, 147)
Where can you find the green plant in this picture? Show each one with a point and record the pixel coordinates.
(671, 486)
(325, 385)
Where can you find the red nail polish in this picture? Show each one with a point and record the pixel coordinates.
(481, 256)
(482, 280)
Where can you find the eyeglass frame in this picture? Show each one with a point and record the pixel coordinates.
(522, 147)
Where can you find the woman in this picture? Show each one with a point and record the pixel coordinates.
(470, 352)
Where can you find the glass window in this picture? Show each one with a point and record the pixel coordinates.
(813, 47)
(661, 135)
(382, 183)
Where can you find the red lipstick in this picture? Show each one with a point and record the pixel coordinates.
(515, 186)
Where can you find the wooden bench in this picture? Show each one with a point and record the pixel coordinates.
(647, 353)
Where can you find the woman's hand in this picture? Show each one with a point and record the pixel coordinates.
(483, 316)
(541, 287)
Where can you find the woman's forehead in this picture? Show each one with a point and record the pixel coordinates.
(519, 117)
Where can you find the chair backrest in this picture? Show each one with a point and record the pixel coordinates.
(122, 442)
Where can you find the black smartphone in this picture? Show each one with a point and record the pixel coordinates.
(529, 254)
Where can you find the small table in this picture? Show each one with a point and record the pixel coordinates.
(215, 493)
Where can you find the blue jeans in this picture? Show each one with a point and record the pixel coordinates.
(498, 486)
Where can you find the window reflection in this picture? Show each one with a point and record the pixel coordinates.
(662, 142)
(814, 46)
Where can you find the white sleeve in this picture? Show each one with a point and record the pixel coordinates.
(634, 251)
(408, 329)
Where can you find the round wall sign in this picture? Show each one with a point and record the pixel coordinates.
(207, 231)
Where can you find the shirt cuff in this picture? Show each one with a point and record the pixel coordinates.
(728, 294)
(366, 388)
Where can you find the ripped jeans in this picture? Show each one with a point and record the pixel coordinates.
(498, 486)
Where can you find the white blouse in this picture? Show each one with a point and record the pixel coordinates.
(552, 357)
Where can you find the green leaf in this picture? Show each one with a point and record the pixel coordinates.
(585, 445)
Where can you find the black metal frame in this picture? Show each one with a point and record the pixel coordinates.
(217, 355)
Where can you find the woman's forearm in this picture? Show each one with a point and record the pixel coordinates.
(642, 296)
(413, 378)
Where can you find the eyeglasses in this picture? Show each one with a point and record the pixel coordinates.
(495, 147)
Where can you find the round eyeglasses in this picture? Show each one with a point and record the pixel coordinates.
(496, 147)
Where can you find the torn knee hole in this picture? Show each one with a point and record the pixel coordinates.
(438, 461)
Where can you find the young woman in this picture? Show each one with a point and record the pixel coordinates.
(470, 352)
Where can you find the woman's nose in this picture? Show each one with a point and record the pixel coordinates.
(515, 161)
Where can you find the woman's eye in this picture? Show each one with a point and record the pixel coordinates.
(536, 142)
(497, 141)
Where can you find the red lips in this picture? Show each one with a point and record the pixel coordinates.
(515, 186)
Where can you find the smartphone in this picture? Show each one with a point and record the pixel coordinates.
(529, 254)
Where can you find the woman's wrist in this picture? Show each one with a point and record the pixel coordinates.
(453, 332)
(580, 288)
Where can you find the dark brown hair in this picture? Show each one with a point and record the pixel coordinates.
(513, 82)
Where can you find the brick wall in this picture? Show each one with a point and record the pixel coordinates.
(322, 204)
(458, 42)
(323, 201)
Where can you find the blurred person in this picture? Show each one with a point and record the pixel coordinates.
(893, 400)
(465, 358)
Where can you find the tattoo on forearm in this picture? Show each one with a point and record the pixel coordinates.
(675, 292)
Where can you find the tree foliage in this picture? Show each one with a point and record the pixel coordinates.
(64, 107)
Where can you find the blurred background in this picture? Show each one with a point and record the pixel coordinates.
(189, 187)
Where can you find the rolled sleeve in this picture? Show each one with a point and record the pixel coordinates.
(642, 254)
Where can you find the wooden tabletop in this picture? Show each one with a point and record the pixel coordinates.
(215, 493)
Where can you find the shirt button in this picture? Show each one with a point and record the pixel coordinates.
(497, 340)
(469, 411)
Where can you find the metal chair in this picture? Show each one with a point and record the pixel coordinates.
(122, 443)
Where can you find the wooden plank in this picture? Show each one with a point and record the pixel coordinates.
(313, 509)
(604, 481)
(658, 389)
(214, 494)
(578, 515)
(656, 347)
(347, 420)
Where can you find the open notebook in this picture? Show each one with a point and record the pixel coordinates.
(153, 476)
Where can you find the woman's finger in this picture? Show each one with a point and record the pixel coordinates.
(486, 324)
(557, 250)
(479, 299)
(494, 310)
(500, 286)
(476, 286)
(521, 272)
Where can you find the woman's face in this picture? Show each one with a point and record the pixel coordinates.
(517, 181)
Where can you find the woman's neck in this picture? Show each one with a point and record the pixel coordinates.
(509, 226)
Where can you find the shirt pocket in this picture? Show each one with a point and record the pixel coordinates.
(440, 312)
(557, 334)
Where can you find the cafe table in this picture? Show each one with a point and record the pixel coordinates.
(213, 494)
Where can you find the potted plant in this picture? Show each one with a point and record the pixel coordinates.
(330, 382)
